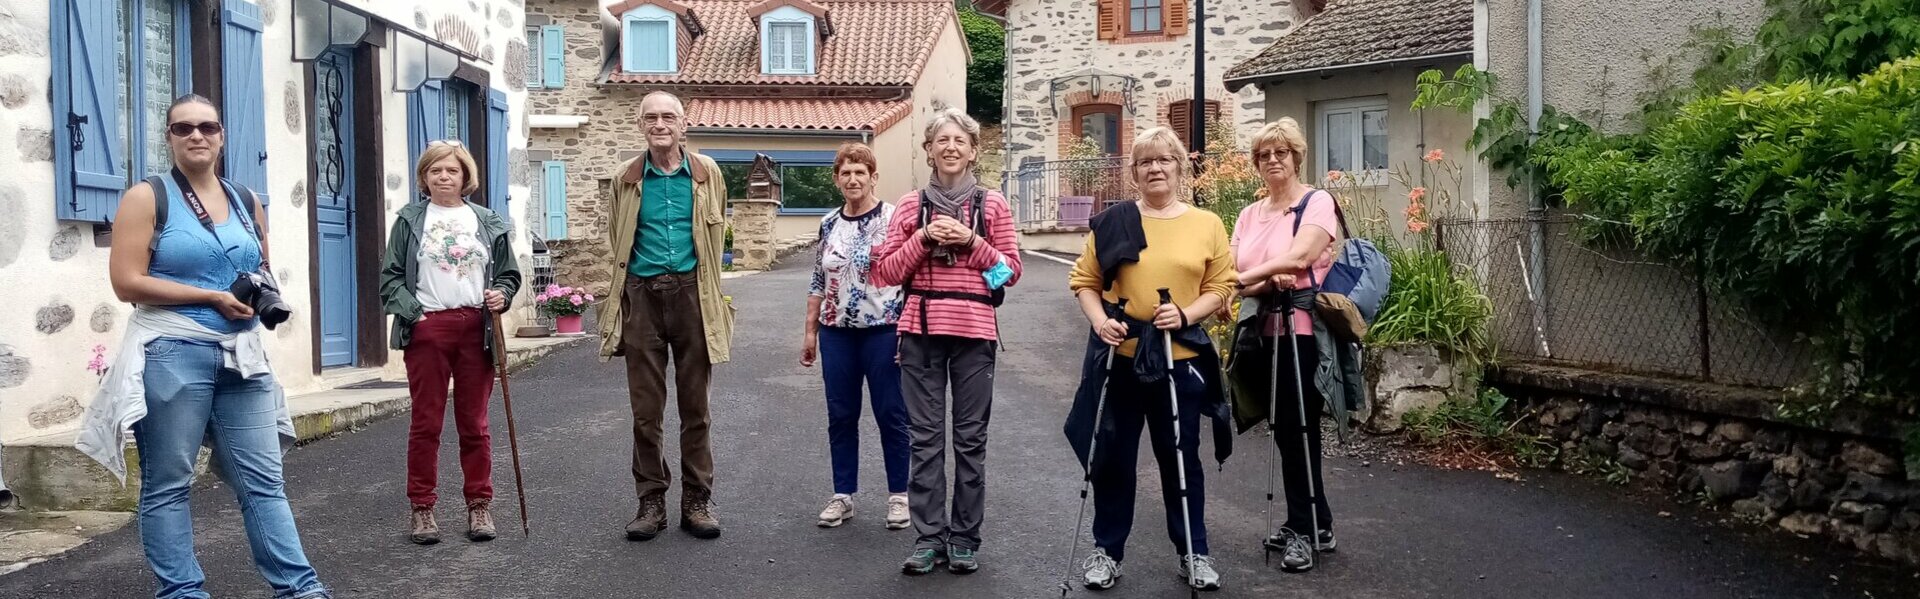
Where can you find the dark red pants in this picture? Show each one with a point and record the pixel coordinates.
(447, 346)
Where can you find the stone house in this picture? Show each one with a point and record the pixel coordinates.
(791, 79)
(326, 103)
(1110, 69)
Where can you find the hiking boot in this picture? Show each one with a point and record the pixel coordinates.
(425, 530)
(696, 515)
(898, 516)
(1198, 571)
(651, 520)
(1100, 571)
(922, 561)
(838, 511)
(480, 522)
(1326, 541)
(1296, 551)
(960, 560)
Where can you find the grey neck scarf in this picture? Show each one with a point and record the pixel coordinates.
(947, 200)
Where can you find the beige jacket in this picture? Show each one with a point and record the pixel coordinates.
(709, 208)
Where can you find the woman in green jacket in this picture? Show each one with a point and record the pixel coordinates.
(449, 268)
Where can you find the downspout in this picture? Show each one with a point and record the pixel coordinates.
(1537, 204)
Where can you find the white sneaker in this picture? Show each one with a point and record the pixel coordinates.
(898, 516)
(1198, 571)
(838, 511)
(1101, 571)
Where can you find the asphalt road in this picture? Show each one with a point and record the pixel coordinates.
(1405, 530)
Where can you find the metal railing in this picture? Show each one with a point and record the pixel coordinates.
(1064, 193)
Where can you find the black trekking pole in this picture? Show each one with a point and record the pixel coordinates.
(1273, 411)
(1306, 446)
(1179, 456)
(1086, 469)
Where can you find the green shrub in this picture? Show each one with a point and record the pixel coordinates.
(1482, 426)
(1432, 301)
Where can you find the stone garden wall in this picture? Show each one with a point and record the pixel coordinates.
(1845, 485)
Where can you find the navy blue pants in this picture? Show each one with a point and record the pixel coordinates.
(1132, 405)
(848, 358)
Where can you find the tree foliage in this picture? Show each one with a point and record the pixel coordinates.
(986, 74)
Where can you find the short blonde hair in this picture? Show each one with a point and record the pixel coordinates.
(437, 152)
(1166, 137)
(1283, 134)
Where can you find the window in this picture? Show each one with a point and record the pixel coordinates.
(1100, 122)
(1180, 119)
(536, 58)
(1353, 137)
(786, 42)
(122, 69)
(648, 40)
(1144, 16)
(458, 105)
(806, 178)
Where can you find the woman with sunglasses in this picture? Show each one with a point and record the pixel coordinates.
(449, 269)
(192, 369)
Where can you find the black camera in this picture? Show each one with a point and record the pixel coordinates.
(259, 291)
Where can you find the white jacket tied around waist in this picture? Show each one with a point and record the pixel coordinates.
(122, 398)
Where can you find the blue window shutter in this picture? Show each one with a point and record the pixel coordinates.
(244, 94)
(553, 42)
(426, 121)
(89, 162)
(496, 184)
(556, 196)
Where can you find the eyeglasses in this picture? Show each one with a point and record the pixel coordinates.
(206, 129)
(452, 143)
(1265, 156)
(1159, 161)
(667, 118)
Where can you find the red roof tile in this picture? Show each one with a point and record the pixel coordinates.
(796, 114)
(874, 42)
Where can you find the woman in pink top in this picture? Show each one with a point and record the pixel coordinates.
(950, 259)
(1275, 262)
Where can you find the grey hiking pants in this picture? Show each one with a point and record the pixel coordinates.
(927, 365)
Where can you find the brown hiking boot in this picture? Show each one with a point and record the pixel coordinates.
(480, 521)
(696, 515)
(425, 530)
(651, 520)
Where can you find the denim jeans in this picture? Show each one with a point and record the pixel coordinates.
(189, 396)
(848, 357)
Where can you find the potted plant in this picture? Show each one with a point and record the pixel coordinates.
(1084, 173)
(565, 305)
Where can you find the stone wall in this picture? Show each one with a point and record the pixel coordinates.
(753, 239)
(1053, 38)
(1836, 487)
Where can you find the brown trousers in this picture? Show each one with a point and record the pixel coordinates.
(662, 320)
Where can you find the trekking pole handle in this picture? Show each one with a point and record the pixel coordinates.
(1166, 295)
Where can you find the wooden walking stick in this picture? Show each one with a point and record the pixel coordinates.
(513, 437)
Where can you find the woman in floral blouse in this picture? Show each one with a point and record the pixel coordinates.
(850, 328)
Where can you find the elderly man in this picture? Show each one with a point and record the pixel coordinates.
(668, 224)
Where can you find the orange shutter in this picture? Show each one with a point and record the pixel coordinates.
(1176, 17)
(1180, 119)
(1109, 19)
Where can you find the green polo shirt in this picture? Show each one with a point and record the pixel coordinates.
(663, 242)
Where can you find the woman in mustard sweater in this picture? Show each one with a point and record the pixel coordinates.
(1134, 251)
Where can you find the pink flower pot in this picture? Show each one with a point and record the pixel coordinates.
(567, 325)
(1075, 210)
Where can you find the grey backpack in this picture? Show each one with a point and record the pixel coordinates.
(1360, 276)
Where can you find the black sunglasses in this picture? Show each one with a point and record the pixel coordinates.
(207, 129)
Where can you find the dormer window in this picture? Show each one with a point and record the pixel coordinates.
(647, 41)
(788, 37)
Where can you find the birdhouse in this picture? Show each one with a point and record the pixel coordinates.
(763, 180)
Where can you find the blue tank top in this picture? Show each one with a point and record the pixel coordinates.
(188, 254)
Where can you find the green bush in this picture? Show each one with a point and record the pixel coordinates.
(1800, 198)
(1432, 301)
(1837, 38)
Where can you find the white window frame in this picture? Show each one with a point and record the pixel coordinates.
(789, 15)
(649, 14)
(1356, 107)
(536, 59)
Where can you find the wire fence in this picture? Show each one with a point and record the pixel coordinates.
(1600, 305)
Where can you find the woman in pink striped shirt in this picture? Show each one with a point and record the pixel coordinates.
(952, 248)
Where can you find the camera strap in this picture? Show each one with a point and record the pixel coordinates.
(206, 219)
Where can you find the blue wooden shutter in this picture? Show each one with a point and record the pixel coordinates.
(426, 121)
(556, 196)
(245, 95)
(496, 184)
(89, 162)
(553, 43)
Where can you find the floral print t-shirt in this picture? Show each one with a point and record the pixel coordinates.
(842, 266)
(453, 260)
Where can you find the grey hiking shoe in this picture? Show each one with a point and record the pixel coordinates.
(1197, 571)
(1296, 550)
(960, 560)
(651, 520)
(922, 561)
(1100, 571)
